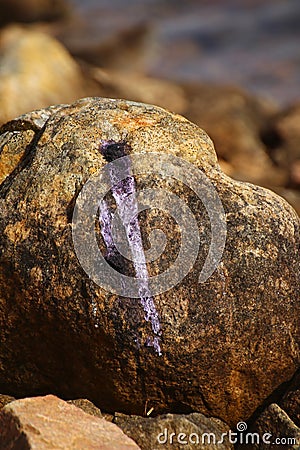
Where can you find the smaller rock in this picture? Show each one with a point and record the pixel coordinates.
(174, 431)
(50, 423)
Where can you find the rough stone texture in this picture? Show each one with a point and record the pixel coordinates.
(276, 423)
(226, 344)
(155, 433)
(24, 52)
(50, 423)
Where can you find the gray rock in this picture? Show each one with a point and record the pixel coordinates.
(273, 427)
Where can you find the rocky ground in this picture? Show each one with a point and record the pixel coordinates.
(226, 352)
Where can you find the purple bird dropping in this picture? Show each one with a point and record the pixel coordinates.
(124, 193)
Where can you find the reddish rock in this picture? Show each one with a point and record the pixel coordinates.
(50, 423)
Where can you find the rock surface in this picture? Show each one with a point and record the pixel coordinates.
(50, 423)
(24, 52)
(175, 431)
(226, 343)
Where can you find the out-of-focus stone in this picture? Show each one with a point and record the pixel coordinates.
(290, 402)
(31, 10)
(233, 119)
(283, 137)
(50, 423)
(132, 86)
(226, 343)
(35, 71)
(176, 431)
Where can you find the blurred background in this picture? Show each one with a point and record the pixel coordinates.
(231, 67)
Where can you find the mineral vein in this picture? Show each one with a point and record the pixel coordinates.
(124, 193)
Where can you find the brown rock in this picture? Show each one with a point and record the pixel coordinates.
(176, 431)
(226, 343)
(50, 423)
(36, 71)
(273, 427)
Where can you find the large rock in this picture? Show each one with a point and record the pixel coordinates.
(50, 423)
(219, 346)
(36, 71)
